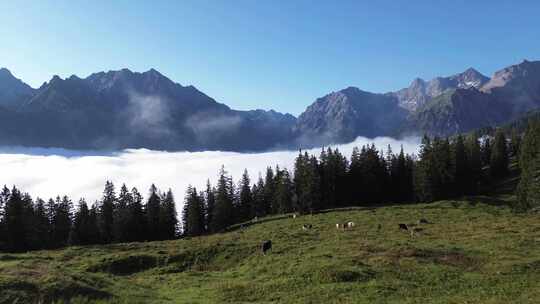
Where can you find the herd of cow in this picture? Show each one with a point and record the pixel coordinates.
(411, 228)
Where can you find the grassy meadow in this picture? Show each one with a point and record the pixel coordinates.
(472, 251)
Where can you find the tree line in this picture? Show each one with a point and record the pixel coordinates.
(444, 168)
(28, 224)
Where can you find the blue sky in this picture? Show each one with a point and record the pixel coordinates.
(268, 54)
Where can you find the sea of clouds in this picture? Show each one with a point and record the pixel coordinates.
(47, 173)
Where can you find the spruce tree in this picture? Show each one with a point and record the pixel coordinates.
(499, 156)
(152, 210)
(474, 158)
(462, 173)
(192, 216)
(14, 219)
(106, 213)
(122, 215)
(245, 198)
(40, 226)
(210, 202)
(167, 221)
(137, 220)
(223, 210)
(61, 224)
(528, 190)
(284, 192)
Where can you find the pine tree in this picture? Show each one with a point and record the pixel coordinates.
(246, 198)
(528, 190)
(168, 221)
(121, 215)
(106, 213)
(284, 192)
(61, 224)
(14, 219)
(258, 206)
(80, 230)
(137, 220)
(474, 157)
(307, 183)
(152, 210)
(193, 216)
(210, 202)
(223, 210)
(462, 174)
(486, 151)
(499, 156)
(515, 143)
(269, 190)
(40, 226)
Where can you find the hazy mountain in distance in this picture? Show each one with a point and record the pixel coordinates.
(125, 109)
(420, 91)
(344, 115)
(12, 90)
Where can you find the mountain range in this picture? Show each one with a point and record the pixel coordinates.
(125, 109)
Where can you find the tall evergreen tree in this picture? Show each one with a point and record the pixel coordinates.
(137, 220)
(284, 192)
(245, 198)
(61, 224)
(15, 222)
(499, 156)
(168, 221)
(462, 173)
(223, 210)
(193, 216)
(528, 190)
(152, 210)
(210, 202)
(40, 226)
(84, 230)
(121, 215)
(106, 213)
(474, 158)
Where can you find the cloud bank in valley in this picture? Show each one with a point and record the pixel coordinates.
(50, 172)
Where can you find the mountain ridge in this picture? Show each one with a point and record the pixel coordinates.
(125, 109)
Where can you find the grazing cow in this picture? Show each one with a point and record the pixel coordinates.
(339, 226)
(349, 225)
(403, 227)
(423, 221)
(307, 226)
(267, 245)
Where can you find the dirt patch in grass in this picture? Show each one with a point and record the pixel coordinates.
(125, 265)
(452, 258)
(342, 275)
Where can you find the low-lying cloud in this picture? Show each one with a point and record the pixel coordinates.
(50, 172)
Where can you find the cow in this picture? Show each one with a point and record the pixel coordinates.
(339, 226)
(403, 227)
(307, 226)
(266, 246)
(294, 215)
(349, 225)
(255, 219)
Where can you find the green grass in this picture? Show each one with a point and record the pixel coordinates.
(472, 252)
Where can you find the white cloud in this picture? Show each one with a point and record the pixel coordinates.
(50, 172)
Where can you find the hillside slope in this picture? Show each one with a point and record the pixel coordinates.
(470, 252)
